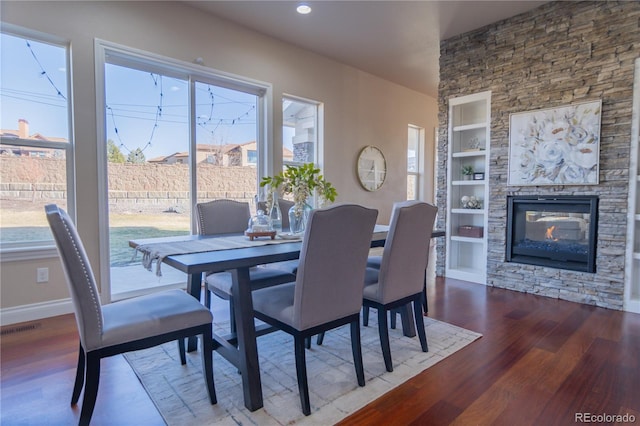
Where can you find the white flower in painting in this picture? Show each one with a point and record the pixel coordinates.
(571, 173)
(551, 154)
(576, 135)
(584, 155)
(527, 162)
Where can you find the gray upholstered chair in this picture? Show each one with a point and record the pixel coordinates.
(403, 264)
(220, 217)
(285, 205)
(328, 289)
(290, 266)
(128, 325)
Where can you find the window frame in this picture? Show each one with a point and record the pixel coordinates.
(127, 56)
(318, 143)
(419, 172)
(317, 148)
(43, 249)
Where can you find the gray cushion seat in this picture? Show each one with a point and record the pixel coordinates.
(124, 326)
(288, 266)
(220, 283)
(149, 315)
(374, 262)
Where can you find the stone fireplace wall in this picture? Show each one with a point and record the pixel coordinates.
(558, 54)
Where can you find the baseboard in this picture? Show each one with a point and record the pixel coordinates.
(632, 305)
(35, 311)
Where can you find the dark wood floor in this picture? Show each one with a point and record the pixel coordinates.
(540, 361)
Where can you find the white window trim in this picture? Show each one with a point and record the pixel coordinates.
(318, 144)
(420, 162)
(318, 151)
(190, 72)
(45, 249)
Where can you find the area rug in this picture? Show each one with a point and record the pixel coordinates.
(180, 395)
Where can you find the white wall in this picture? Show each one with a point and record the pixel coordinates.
(360, 109)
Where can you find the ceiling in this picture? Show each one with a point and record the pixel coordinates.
(395, 40)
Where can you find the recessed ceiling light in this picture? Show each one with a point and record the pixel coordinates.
(303, 9)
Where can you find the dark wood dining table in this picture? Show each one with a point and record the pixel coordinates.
(240, 348)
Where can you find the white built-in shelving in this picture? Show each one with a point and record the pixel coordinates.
(632, 267)
(469, 141)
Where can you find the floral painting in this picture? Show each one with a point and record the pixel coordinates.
(556, 146)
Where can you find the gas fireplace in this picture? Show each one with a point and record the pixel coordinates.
(558, 232)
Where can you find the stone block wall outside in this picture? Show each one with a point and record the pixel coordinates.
(558, 54)
(136, 186)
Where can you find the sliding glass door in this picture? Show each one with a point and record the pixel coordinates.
(173, 137)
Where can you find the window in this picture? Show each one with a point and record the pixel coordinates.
(299, 131)
(36, 146)
(415, 144)
(175, 136)
(252, 157)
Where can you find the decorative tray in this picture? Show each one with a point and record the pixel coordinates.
(253, 235)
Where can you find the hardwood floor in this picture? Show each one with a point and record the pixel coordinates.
(540, 361)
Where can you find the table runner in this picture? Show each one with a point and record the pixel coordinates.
(156, 252)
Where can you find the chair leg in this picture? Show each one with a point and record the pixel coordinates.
(417, 312)
(207, 362)
(425, 301)
(384, 338)
(232, 316)
(90, 388)
(181, 351)
(356, 348)
(392, 315)
(307, 342)
(301, 371)
(320, 338)
(365, 316)
(80, 371)
(207, 298)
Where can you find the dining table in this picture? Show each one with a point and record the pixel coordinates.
(239, 348)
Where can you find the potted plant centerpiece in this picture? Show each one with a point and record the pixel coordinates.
(300, 181)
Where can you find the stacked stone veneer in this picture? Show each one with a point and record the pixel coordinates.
(555, 55)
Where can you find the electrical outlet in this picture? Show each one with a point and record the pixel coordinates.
(42, 275)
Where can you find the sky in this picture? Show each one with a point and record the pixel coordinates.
(145, 111)
(28, 93)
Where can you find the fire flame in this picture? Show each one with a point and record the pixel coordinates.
(549, 234)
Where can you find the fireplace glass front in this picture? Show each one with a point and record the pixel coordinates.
(558, 232)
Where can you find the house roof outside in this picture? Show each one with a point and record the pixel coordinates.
(221, 150)
(22, 132)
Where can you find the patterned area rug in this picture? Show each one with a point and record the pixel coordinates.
(180, 395)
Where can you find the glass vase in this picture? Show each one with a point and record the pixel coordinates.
(275, 213)
(298, 217)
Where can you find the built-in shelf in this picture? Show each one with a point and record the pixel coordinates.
(468, 146)
(473, 126)
(468, 211)
(469, 154)
(467, 182)
(632, 264)
(467, 239)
